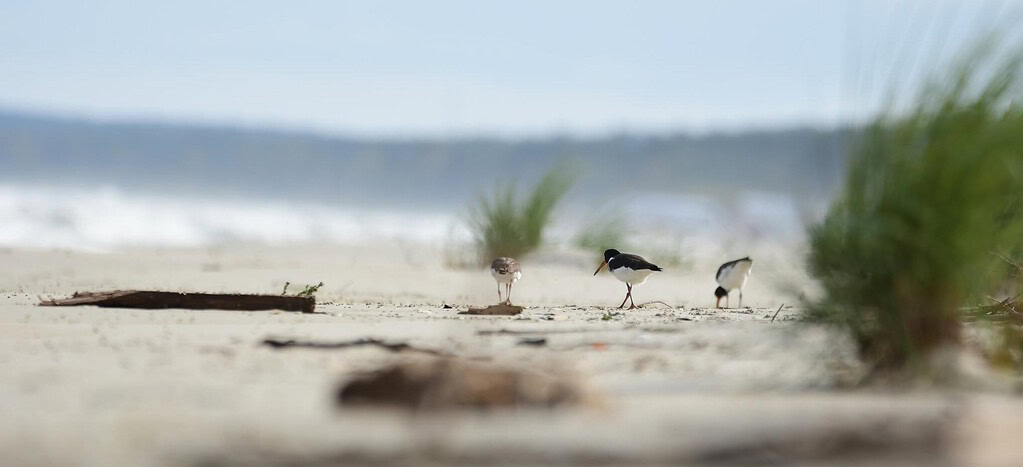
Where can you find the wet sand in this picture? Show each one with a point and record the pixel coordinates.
(669, 384)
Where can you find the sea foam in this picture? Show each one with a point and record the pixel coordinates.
(105, 218)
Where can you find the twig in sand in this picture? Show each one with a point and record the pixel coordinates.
(518, 332)
(393, 347)
(641, 305)
(533, 341)
(777, 311)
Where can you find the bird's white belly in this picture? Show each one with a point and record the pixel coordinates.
(735, 278)
(630, 276)
(506, 278)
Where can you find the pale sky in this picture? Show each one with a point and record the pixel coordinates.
(455, 68)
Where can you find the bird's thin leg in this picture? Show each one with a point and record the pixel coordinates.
(740, 298)
(631, 300)
(507, 296)
(498, 292)
(627, 295)
(728, 300)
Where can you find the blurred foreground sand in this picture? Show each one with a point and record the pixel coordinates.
(679, 384)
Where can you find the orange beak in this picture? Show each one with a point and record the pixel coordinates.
(602, 264)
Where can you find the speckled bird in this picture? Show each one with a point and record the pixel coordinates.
(505, 271)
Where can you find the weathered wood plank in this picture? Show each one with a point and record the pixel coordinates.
(154, 300)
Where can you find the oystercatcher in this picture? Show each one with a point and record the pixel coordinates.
(630, 269)
(505, 271)
(732, 275)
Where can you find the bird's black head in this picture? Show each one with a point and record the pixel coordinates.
(720, 292)
(608, 254)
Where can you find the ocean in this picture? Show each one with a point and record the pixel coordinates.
(104, 218)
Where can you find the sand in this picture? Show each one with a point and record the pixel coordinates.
(669, 384)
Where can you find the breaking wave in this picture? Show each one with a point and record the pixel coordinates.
(102, 219)
(106, 218)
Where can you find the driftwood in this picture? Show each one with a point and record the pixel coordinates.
(154, 300)
(391, 346)
(494, 310)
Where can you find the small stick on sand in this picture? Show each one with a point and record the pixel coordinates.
(279, 343)
(641, 305)
(777, 311)
(533, 332)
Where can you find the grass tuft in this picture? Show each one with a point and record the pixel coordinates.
(505, 225)
(307, 291)
(928, 197)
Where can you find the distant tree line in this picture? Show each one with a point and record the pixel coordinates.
(159, 157)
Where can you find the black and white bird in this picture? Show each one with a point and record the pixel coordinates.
(732, 275)
(630, 269)
(505, 271)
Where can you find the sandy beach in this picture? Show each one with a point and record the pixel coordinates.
(259, 234)
(665, 384)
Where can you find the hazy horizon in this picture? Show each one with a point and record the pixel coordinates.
(200, 123)
(86, 185)
(458, 69)
(72, 117)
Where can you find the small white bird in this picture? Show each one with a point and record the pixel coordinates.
(732, 275)
(505, 271)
